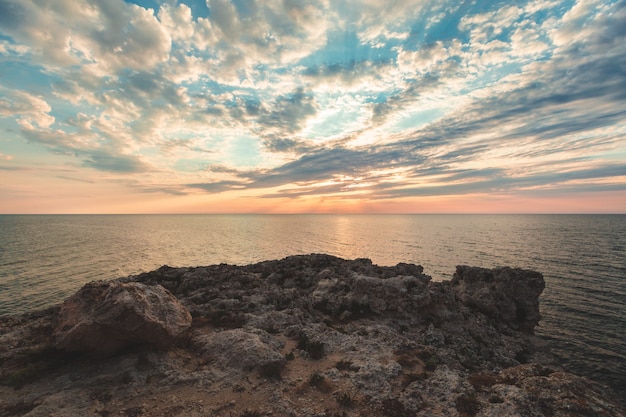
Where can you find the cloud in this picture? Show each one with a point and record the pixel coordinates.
(178, 22)
(378, 21)
(8, 49)
(352, 76)
(271, 33)
(393, 104)
(65, 177)
(320, 165)
(27, 108)
(278, 144)
(109, 35)
(87, 147)
(295, 98)
(533, 130)
(218, 186)
(105, 161)
(428, 58)
(486, 26)
(288, 113)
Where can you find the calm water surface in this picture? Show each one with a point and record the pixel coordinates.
(44, 259)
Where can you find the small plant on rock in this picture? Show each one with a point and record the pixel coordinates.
(495, 399)
(314, 348)
(316, 379)
(319, 382)
(343, 365)
(345, 399)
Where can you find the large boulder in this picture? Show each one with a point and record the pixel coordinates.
(105, 317)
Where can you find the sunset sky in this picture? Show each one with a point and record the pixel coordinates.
(286, 106)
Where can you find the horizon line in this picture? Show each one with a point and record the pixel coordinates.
(315, 213)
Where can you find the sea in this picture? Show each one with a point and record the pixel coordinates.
(46, 258)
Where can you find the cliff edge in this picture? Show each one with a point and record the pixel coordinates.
(309, 335)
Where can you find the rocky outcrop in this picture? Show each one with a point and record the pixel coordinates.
(304, 336)
(103, 318)
(509, 297)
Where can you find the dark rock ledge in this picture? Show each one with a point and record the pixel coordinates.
(307, 335)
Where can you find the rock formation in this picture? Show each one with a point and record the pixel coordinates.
(103, 318)
(307, 335)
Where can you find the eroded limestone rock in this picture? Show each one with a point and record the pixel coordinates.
(509, 296)
(104, 317)
(245, 350)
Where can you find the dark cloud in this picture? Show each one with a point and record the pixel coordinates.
(396, 102)
(338, 188)
(222, 169)
(494, 183)
(289, 112)
(64, 177)
(253, 107)
(454, 182)
(280, 144)
(323, 164)
(144, 82)
(105, 161)
(12, 15)
(176, 191)
(218, 186)
(146, 89)
(347, 73)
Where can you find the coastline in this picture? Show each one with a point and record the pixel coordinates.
(309, 335)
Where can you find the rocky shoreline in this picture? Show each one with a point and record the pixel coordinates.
(309, 335)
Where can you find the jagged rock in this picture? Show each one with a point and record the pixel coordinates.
(509, 296)
(534, 389)
(359, 295)
(103, 318)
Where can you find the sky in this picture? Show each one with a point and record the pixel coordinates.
(295, 106)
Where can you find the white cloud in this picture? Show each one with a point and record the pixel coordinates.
(527, 41)
(486, 26)
(7, 48)
(377, 21)
(109, 34)
(428, 58)
(271, 33)
(27, 108)
(178, 21)
(591, 24)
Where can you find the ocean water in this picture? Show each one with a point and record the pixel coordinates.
(44, 259)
